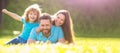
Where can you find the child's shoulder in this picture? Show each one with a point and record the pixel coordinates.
(23, 20)
(34, 28)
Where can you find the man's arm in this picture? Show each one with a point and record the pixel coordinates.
(30, 41)
(32, 37)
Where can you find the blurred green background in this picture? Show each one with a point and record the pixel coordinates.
(90, 19)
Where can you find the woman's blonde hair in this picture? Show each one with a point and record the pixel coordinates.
(34, 8)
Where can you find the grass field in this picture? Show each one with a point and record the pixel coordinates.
(83, 45)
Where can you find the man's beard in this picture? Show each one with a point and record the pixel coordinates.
(46, 33)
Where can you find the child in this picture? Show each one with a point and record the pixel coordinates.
(29, 20)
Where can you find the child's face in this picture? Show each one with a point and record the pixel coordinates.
(60, 18)
(32, 15)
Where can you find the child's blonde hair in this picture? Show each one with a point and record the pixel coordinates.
(34, 8)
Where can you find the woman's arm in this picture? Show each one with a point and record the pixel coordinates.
(13, 15)
(61, 40)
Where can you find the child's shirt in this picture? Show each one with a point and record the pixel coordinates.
(27, 27)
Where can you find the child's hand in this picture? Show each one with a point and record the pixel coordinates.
(4, 10)
(11, 14)
(39, 29)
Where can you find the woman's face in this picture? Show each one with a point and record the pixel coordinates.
(59, 20)
(32, 15)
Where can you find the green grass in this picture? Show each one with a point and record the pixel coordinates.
(83, 45)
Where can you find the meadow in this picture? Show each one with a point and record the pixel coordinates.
(83, 45)
(97, 29)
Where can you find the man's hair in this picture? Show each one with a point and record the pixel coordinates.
(45, 16)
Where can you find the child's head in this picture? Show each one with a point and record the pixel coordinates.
(32, 13)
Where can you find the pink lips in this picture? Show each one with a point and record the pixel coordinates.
(32, 17)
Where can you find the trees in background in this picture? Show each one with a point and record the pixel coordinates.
(88, 20)
(3, 3)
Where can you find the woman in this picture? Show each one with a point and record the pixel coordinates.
(62, 18)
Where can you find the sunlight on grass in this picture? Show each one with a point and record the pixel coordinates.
(16, 32)
(83, 45)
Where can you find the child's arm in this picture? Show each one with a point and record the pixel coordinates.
(13, 15)
(39, 29)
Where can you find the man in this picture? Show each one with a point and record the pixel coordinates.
(48, 32)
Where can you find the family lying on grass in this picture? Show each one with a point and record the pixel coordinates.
(43, 27)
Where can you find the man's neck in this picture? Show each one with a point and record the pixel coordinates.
(47, 35)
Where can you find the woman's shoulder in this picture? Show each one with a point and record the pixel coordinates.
(56, 27)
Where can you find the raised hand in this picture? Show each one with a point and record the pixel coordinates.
(11, 14)
(4, 10)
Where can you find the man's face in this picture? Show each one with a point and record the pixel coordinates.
(45, 26)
